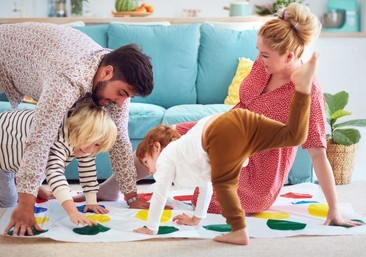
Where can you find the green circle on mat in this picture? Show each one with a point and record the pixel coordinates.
(219, 227)
(91, 230)
(285, 225)
(166, 230)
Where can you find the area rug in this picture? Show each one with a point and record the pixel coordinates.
(299, 210)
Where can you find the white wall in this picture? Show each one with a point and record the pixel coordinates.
(163, 8)
(342, 66)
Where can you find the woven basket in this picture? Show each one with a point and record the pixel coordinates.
(342, 160)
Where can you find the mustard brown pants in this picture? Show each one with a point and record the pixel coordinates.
(239, 133)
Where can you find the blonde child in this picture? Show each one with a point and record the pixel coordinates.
(214, 150)
(86, 131)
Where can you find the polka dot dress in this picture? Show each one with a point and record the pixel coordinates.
(261, 181)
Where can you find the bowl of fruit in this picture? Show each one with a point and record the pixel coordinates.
(131, 8)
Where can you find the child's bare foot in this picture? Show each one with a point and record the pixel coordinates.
(238, 237)
(303, 77)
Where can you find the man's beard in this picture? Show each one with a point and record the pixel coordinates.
(97, 94)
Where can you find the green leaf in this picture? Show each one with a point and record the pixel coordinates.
(352, 123)
(337, 101)
(346, 136)
(338, 114)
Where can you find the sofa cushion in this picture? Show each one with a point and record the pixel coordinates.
(142, 118)
(3, 97)
(242, 71)
(102, 162)
(192, 112)
(302, 169)
(219, 51)
(173, 51)
(5, 106)
(99, 33)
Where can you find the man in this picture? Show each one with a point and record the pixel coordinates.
(57, 65)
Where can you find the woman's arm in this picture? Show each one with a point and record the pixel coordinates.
(324, 173)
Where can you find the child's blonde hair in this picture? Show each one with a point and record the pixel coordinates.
(294, 29)
(88, 124)
(162, 134)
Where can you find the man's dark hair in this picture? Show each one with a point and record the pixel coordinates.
(132, 66)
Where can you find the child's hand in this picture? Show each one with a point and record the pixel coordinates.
(79, 219)
(184, 219)
(95, 208)
(145, 230)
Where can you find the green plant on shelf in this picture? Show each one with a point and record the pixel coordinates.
(77, 7)
(272, 8)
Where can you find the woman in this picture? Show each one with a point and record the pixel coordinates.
(268, 90)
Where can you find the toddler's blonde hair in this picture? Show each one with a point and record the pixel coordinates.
(295, 28)
(88, 124)
(162, 134)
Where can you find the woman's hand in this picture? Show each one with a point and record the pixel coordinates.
(335, 219)
(184, 219)
(145, 230)
(95, 208)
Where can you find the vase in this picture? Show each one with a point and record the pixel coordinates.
(342, 159)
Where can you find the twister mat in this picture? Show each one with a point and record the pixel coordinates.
(299, 210)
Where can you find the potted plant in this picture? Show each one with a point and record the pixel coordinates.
(342, 140)
(272, 8)
(77, 7)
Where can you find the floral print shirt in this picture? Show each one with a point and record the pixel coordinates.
(56, 65)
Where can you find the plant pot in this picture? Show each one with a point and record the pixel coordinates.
(342, 159)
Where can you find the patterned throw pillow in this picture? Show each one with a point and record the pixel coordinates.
(242, 71)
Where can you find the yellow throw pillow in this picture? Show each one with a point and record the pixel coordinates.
(29, 100)
(242, 71)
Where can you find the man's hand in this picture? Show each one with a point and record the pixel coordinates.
(22, 218)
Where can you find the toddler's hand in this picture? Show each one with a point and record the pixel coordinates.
(184, 219)
(145, 230)
(95, 208)
(79, 219)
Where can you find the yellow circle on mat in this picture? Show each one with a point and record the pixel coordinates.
(272, 215)
(41, 220)
(142, 215)
(318, 210)
(98, 217)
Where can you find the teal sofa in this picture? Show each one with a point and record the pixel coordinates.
(193, 65)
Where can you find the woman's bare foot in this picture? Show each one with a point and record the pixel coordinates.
(303, 77)
(238, 237)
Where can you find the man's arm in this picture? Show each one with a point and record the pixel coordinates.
(56, 99)
(121, 156)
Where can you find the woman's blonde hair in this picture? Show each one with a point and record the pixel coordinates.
(89, 124)
(162, 134)
(295, 28)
